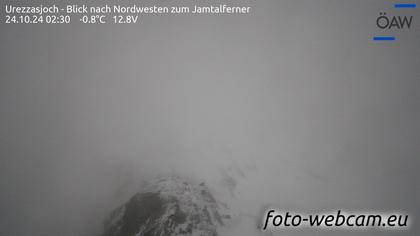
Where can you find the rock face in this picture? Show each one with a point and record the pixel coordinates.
(171, 206)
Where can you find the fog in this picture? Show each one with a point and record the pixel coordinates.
(295, 94)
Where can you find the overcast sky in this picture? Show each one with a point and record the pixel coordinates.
(330, 118)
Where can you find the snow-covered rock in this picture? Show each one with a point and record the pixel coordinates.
(169, 206)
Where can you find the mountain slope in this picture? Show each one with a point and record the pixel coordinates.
(169, 206)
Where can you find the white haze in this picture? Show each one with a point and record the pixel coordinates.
(293, 94)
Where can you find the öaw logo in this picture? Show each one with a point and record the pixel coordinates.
(387, 22)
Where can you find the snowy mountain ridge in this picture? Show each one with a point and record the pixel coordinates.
(169, 206)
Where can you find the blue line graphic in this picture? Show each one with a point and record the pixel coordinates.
(405, 5)
(384, 38)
